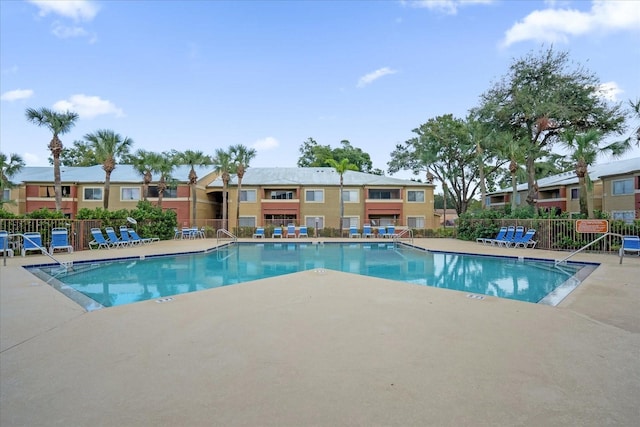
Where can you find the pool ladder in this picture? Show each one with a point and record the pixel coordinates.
(222, 234)
(564, 260)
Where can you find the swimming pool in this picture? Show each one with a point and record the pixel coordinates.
(124, 281)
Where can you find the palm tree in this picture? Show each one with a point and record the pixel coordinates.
(515, 152)
(143, 162)
(58, 124)
(8, 168)
(193, 158)
(163, 164)
(223, 167)
(341, 167)
(241, 156)
(108, 147)
(585, 149)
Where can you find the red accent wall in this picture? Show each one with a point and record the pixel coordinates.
(281, 208)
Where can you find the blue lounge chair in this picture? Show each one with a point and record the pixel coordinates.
(507, 236)
(277, 232)
(366, 231)
(382, 232)
(113, 238)
(291, 230)
(391, 231)
(259, 234)
(4, 243)
(99, 240)
(32, 241)
(60, 240)
(134, 237)
(125, 237)
(630, 244)
(353, 232)
(517, 235)
(303, 231)
(526, 241)
(488, 240)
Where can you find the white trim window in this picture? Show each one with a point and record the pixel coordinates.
(247, 221)
(314, 196)
(350, 221)
(92, 193)
(129, 193)
(6, 194)
(626, 216)
(248, 196)
(310, 221)
(622, 187)
(415, 196)
(415, 222)
(350, 196)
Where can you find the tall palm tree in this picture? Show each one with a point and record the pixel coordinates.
(193, 158)
(514, 151)
(163, 164)
(241, 156)
(9, 166)
(223, 167)
(108, 147)
(58, 124)
(143, 162)
(341, 167)
(585, 149)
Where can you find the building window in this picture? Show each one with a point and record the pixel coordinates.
(247, 221)
(92, 193)
(350, 221)
(350, 196)
(384, 194)
(282, 195)
(130, 193)
(168, 193)
(415, 222)
(310, 221)
(622, 186)
(248, 196)
(49, 191)
(626, 216)
(415, 196)
(575, 193)
(316, 196)
(6, 194)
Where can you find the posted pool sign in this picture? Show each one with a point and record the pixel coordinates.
(592, 226)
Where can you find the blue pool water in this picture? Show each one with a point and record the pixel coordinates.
(126, 281)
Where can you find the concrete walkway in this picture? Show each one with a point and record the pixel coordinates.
(322, 348)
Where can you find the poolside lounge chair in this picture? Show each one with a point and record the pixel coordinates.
(507, 236)
(391, 231)
(353, 232)
(277, 232)
(259, 234)
(32, 241)
(60, 240)
(4, 242)
(382, 232)
(366, 231)
(303, 231)
(291, 230)
(113, 238)
(176, 233)
(125, 237)
(99, 241)
(510, 241)
(134, 237)
(526, 240)
(630, 244)
(488, 240)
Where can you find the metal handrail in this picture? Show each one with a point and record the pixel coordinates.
(587, 245)
(222, 231)
(65, 264)
(401, 234)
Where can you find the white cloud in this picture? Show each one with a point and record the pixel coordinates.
(15, 95)
(88, 106)
(609, 91)
(266, 144)
(78, 10)
(375, 75)
(65, 32)
(449, 7)
(557, 25)
(34, 160)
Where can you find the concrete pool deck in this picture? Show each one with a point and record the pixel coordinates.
(322, 348)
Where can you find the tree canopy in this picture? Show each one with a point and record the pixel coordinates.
(313, 154)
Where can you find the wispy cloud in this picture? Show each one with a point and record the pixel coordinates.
(78, 10)
(375, 75)
(88, 106)
(558, 25)
(609, 91)
(449, 7)
(266, 144)
(16, 95)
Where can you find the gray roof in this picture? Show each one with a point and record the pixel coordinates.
(320, 176)
(91, 174)
(595, 173)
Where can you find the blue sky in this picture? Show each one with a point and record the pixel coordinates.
(203, 75)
